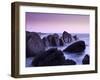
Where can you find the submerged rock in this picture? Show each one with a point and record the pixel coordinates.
(75, 37)
(86, 59)
(70, 62)
(51, 57)
(67, 37)
(34, 45)
(78, 46)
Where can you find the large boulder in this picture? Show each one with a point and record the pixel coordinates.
(78, 46)
(51, 57)
(86, 59)
(67, 37)
(34, 45)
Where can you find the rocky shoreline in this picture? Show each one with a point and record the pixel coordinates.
(45, 50)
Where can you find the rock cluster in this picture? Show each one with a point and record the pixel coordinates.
(51, 40)
(36, 47)
(55, 40)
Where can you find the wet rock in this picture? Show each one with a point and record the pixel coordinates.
(86, 59)
(34, 45)
(51, 57)
(67, 37)
(75, 47)
(70, 62)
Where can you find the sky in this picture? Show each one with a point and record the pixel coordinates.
(56, 23)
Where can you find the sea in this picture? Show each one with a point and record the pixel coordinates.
(77, 57)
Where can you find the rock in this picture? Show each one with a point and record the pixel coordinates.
(75, 37)
(49, 37)
(34, 45)
(61, 42)
(78, 46)
(45, 41)
(51, 57)
(70, 62)
(28, 35)
(86, 59)
(67, 37)
(55, 40)
(56, 35)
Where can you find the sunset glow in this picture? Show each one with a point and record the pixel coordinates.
(51, 23)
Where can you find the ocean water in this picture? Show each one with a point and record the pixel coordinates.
(77, 57)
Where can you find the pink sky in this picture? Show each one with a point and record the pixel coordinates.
(57, 23)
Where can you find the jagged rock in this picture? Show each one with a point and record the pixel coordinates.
(86, 59)
(67, 37)
(34, 45)
(51, 57)
(78, 46)
(70, 62)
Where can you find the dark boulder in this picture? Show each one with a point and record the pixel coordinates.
(67, 37)
(75, 47)
(55, 40)
(70, 62)
(45, 41)
(28, 35)
(86, 59)
(49, 37)
(75, 37)
(56, 35)
(34, 45)
(51, 57)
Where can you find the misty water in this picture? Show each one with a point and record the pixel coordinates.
(77, 57)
